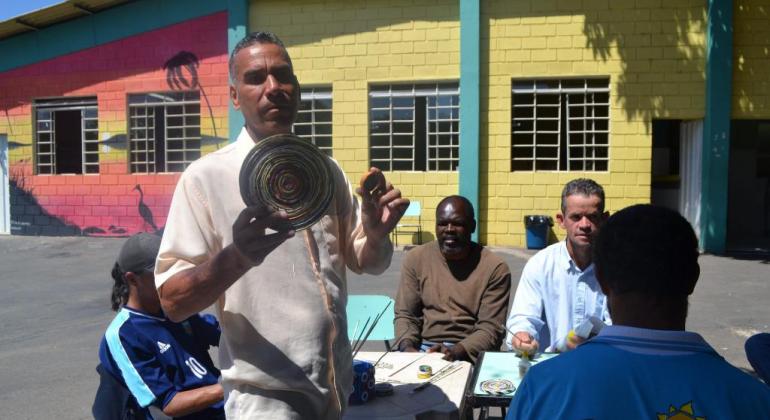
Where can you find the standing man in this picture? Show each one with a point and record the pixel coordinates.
(645, 365)
(280, 295)
(558, 290)
(453, 292)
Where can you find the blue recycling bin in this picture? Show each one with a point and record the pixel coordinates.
(537, 227)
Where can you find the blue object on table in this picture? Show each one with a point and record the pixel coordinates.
(363, 383)
(363, 307)
(537, 227)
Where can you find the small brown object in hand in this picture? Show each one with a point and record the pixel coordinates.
(373, 183)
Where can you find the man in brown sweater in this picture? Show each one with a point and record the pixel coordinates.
(453, 294)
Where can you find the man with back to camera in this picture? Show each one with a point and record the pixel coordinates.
(645, 365)
(280, 296)
(453, 292)
(558, 291)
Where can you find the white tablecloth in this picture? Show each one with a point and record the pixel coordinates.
(443, 399)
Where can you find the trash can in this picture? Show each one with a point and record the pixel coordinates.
(537, 227)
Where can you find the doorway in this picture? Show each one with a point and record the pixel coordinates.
(748, 183)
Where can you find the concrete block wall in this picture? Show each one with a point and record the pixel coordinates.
(751, 59)
(109, 203)
(652, 51)
(351, 45)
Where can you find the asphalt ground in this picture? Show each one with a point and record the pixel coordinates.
(55, 306)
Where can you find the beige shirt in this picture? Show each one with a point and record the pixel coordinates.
(284, 351)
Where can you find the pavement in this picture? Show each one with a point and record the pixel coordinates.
(55, 307)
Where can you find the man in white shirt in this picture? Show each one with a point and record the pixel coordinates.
(280, 295)
(558, 291)
(646, 365)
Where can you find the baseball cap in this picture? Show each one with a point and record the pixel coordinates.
(139, 252)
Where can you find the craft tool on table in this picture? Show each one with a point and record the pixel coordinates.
(441, 374)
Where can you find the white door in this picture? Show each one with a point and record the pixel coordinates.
(691, 141)
(5, 197)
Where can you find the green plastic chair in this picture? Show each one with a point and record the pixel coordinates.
(361, 307)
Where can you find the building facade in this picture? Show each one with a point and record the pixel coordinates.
(502, 102)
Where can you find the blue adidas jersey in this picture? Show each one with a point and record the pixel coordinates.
(156, 358)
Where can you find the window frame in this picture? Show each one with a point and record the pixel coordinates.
(86, 105)
(165, 100)
(585, 148)
(429, 141)
(314, 95)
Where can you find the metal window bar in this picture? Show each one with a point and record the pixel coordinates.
(443, 132)
(180, 113)
(542, 138)
(45, 145)
(314, 118)
(45, 133)
(142, 139)
(394, 129)
(89, 123)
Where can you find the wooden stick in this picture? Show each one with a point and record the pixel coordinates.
(391, 347)
(408, 364)
(371, 328)
(355, 344)
(355, 330)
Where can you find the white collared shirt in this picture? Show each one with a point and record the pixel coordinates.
(554, 296)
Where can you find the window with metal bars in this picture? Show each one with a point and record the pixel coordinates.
(67, 136)
(560, 125)
(164, 131)
(314, 118)
(415, 127)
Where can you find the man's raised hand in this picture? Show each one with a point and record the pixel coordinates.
(381, 206)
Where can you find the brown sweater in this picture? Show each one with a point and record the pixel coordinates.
(464, 305)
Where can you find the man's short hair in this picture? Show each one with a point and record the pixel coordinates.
(464, 200)
(647, 249)
(582, 186)
(259, 37)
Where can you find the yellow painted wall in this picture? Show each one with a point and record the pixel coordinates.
(751, 59)
(352, 44)
(652, 50)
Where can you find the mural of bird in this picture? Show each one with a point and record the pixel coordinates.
(144, 210)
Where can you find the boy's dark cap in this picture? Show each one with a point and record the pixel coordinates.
(139, 253)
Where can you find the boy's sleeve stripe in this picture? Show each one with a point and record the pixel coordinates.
(136, 385)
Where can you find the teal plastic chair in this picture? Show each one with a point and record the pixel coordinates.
(361, 307)
(410, 223)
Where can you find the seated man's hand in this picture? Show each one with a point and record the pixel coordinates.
(522, 341)
(407, 346)
(456, 352)
(574, 340)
